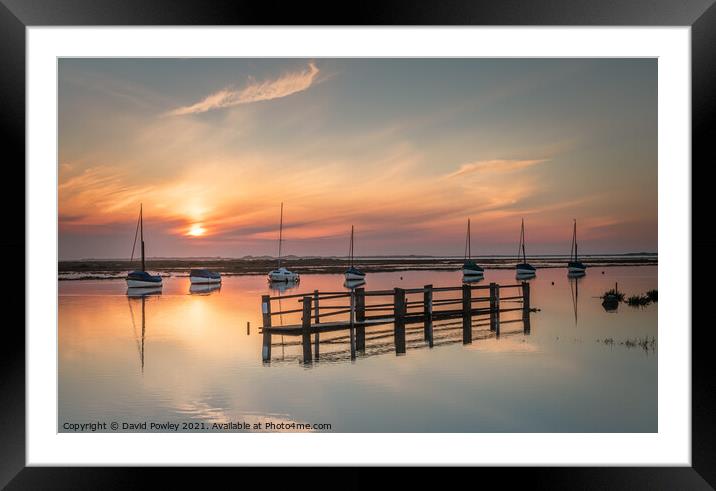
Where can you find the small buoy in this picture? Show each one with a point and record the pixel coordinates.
(401, 277)
(602, 272)
(553, 282)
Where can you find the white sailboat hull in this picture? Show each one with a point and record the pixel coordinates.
(575, 269)
(472, 272)
(354, 276)
(281, 276)
(198, 280)
(143, 284)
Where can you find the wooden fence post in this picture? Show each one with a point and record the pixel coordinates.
(493, 296)
(360, 319)
(266, 314)
(360, 304)
(317, 320)
(466, 314)
(399, 314)
(306, 318)
(497, 310)
(526, 307)
(428, 314)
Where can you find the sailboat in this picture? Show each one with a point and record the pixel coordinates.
(282, 273)
(204, 276)
(353, 273)
(524, 268)
(575, 266)
(140, 278)
(470, 267)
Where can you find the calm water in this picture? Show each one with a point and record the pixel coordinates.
(193, 359)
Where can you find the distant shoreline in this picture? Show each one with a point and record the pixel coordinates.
(116, 269)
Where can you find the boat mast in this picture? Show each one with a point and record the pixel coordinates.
(141, 233)
(573, 250)
(575, 240)
(469, 241)
(467, 238)
(280, 236)
(350, 251)
(522, 241)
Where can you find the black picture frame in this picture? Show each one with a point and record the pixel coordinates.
(16, 15)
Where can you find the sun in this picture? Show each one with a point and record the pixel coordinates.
(196, 230)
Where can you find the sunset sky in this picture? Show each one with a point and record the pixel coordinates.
(404, 149)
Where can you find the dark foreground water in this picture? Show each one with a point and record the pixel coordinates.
(188, 358)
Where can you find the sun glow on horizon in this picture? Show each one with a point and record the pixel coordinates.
(196, 230)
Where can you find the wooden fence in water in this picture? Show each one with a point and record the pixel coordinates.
(399, 307)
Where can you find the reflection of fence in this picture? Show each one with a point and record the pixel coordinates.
(398, 307)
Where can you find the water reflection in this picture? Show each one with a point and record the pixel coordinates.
(353, 284)
(204, 288)
(120, 361)
(138, 292)
(472, 278)
(282, 286)
(574, 279)
(139, 337)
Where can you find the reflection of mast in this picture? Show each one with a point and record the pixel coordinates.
(280, 320)
(280, 236)
(574, 287)
(140, 344)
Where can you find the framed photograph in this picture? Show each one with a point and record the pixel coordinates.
(433, 237)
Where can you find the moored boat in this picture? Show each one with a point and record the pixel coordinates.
(140, 278)
(204, 276)
(282, 273)
(524, 269)
(353, 273)
(575, 266)
(470, 268)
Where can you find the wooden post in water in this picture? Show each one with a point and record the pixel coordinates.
(399, 314)
(317, 320)
(352, 324)
(493, 296)
(428, 314)
(526, 307)
(360, 319)
(306, 318)
(266, 314)
(466, 314)
(497, 310)
(248, 327)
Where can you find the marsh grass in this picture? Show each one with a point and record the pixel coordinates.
(613, 294)
(638, 301)
(647, 343)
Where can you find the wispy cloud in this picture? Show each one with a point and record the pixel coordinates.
(285, 85)
(499, 165)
